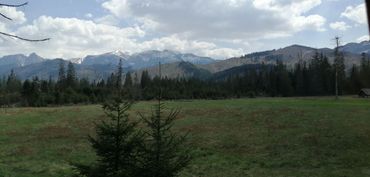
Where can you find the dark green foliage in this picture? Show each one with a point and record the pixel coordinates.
(194, 70)
(71, 80)
(13, 84)
(128, 81)
(116, 144)
(365, 71)
(165, 153)
(61, 76)
(339, 67)
(315, 77)
(119, 74)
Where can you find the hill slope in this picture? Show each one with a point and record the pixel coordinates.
(289, 55)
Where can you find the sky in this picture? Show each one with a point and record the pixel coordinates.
(215, 28)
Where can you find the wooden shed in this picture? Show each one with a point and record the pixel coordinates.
(364, 93)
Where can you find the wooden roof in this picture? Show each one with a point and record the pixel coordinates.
(366, 91)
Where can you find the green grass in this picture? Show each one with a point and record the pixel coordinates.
(280, 137)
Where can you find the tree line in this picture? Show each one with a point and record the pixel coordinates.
(315, 77)
(125, 149)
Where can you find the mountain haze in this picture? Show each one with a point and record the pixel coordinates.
(174, 64)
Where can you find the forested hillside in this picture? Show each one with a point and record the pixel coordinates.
(314, 77)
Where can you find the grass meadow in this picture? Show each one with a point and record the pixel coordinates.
(263, 137)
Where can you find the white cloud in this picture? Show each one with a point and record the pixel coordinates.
(89, 15)
(198, 47)
(314, 22)
(72, 38)
(356, 14)
(17, 17)
(107, 20)
(76, 38)
(363, 38)
(341, 26)
(214, 28)
(223, 19)
(118, 7)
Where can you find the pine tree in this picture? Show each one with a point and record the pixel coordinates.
(145, 83)
(27, 92)
(165, 153)
(128, 80)
(61, 76)
(299, 84)
(116, 144)
(365, 70)
(71, 79)
(341, 74)
(145, 79)
(119, 75)
(355, 80)
(13, 84)
(111, 81)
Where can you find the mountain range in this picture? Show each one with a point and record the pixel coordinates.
(175, 64)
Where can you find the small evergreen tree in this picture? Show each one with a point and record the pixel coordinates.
(165, 153)
(116, 144)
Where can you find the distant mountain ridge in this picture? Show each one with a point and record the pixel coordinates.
(15, 61)
(357, 48)
(144, 59)
(175, 64)
(94, 66)
(291, 55)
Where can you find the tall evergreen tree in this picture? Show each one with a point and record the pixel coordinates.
(355, 81)
(116, 144)
(145, 84)
(61, 76)
(128, 80)
(299, 83)
(27, 92)
(13, 84)
(340, 70)
(365, 71)
(119, 75)
(71, 79)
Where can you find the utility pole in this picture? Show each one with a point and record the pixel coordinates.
(368, 11)
(336, 62)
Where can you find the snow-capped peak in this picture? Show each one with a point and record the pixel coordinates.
(120, 53)
(76, 60)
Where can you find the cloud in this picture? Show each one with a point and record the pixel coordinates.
(189, 46)
(17, 17)
(89, 15)
(73, 38)
(214, 28)
(118, 7)
(107, 20)
(341, 26)
(356, 14)
(363, 38)
(223, 19)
